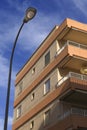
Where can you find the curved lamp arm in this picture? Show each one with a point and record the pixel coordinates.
(9, 79)
(30, 13)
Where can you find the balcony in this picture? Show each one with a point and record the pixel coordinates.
(71, 118)
(73, 88)
(73, 111)
(74, 75)
(76, 117)
(73, 55)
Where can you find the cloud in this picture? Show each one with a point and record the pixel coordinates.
(6, 39)
(4, 71)
(81, 5)
(10, 119)
(18, 4)
(37, 30)
(1, 123)
(8, 29)
(32, 34)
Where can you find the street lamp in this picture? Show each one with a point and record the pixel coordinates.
(30, 13)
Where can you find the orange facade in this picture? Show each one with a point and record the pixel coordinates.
(71, 87)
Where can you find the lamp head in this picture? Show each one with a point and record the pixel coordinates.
(30, 13)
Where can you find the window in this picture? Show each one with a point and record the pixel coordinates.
(20, 88)
(47, 58)
(31, 125)
(47, 86)
(46, 117)
(33, 70)
(32, 96)
(19, 111)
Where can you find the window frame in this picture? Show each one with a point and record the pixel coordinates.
(47, 86)
(33, 70)
(18, 112)
(32, 96)
(20, 87)
(31, 125)
(46, 117)
(47, 58)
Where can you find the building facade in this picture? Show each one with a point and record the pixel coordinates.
(51, 88)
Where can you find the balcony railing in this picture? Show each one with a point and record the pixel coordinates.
(73, 111)
(73, 44)
(72, 74)
(76, 44)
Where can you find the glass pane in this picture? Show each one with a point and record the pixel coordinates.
(47, 117)
(47, 58)
(47, 86)
(19, 111)
(20, 88)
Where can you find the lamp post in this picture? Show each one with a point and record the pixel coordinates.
(30, 13)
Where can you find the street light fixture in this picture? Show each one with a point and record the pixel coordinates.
(30, 13)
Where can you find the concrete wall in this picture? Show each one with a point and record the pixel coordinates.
(55, 110)
(39, 90)
(27, 104)
(39, 67)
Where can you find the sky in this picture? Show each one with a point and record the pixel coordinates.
(49, 14)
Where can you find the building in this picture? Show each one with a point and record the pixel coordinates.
(51, 88)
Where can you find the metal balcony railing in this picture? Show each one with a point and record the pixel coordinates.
(71, 74)
(76, 44)
(79, 111)
(71, 43)
(73, 111)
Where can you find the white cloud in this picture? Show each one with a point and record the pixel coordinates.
(81, 5)
(32, 34)
(19, 6)
(37, 30)
(8, 30)
(1, 123)
(10, 119)
(6, 38)
(4, 71)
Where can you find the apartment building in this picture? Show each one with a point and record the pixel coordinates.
(51, 88)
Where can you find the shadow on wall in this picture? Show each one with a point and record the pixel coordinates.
(55, 118)
(62, 113)
(67, 115)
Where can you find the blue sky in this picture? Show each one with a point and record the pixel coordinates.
(49, 14)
